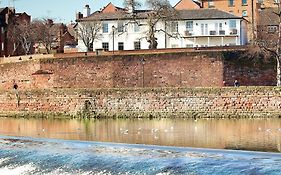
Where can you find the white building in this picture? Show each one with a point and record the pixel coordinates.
(123, 30)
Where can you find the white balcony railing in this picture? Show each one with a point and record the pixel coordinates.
(233, 32)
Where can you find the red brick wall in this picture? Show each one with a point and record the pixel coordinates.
(159, 70)
(151, 70)
(249, 76)
(20, 72)
(133, 102)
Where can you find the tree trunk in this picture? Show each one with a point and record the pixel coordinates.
(278, 71)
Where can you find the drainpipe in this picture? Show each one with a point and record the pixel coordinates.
(253, 22)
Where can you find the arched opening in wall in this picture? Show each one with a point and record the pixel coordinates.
(87, 105)
(88, 109)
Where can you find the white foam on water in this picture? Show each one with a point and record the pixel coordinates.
(166, 173)
(61, 171)
(2, 160)
(19, 170)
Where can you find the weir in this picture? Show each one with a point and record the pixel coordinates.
(48, 156)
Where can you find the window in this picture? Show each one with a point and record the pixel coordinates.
(211, 3)
(206, 29)
(232, 27)
(231, 3)
(136, 27)
(174, 26)
(221, 31)
(120, 27)
(244, 2)
(272, 29)
(232, 24)
(220, 26)
(137, 45)
(105, 46)
(244, 13)
(120, 46)
(105, 27)
(216, 27)
(189, 26)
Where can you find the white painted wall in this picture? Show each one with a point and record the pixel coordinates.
(196, 40)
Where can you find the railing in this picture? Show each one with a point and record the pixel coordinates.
(213, 32)
(233, 32)
(222, 32)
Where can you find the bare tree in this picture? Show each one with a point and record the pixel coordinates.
(22, 35)
(26, 37)
(45, 33)
(88, 32)
(132, 5)
(160, 11)
(269, 40)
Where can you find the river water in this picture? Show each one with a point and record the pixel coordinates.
(139, 146)
(241, 134)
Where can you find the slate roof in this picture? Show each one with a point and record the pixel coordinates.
(196, 14)
(200, 14)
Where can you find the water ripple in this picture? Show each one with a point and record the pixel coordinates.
(50, 156)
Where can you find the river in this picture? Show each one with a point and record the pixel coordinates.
(237, 134)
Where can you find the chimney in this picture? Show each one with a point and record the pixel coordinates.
(87, 11)
(79, 15)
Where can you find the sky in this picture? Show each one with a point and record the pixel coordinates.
(59, 10)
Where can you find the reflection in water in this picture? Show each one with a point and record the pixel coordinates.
(249, 134)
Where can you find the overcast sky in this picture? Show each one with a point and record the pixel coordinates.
(60, 10)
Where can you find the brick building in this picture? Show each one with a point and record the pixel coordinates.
(60, 37)
(8, 19)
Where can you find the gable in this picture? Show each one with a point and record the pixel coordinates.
(186, 5)
(110, 8)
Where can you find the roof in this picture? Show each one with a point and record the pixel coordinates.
(1, 9)
(194, 14)
(7, 8)
(118, 15)
(200, 14)
(268, 17)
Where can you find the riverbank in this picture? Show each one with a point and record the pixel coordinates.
(226, 102)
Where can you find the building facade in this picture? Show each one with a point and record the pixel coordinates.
(124, 30)
(248, 9)
(8, 19)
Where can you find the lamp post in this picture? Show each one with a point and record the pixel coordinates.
(113, 32)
